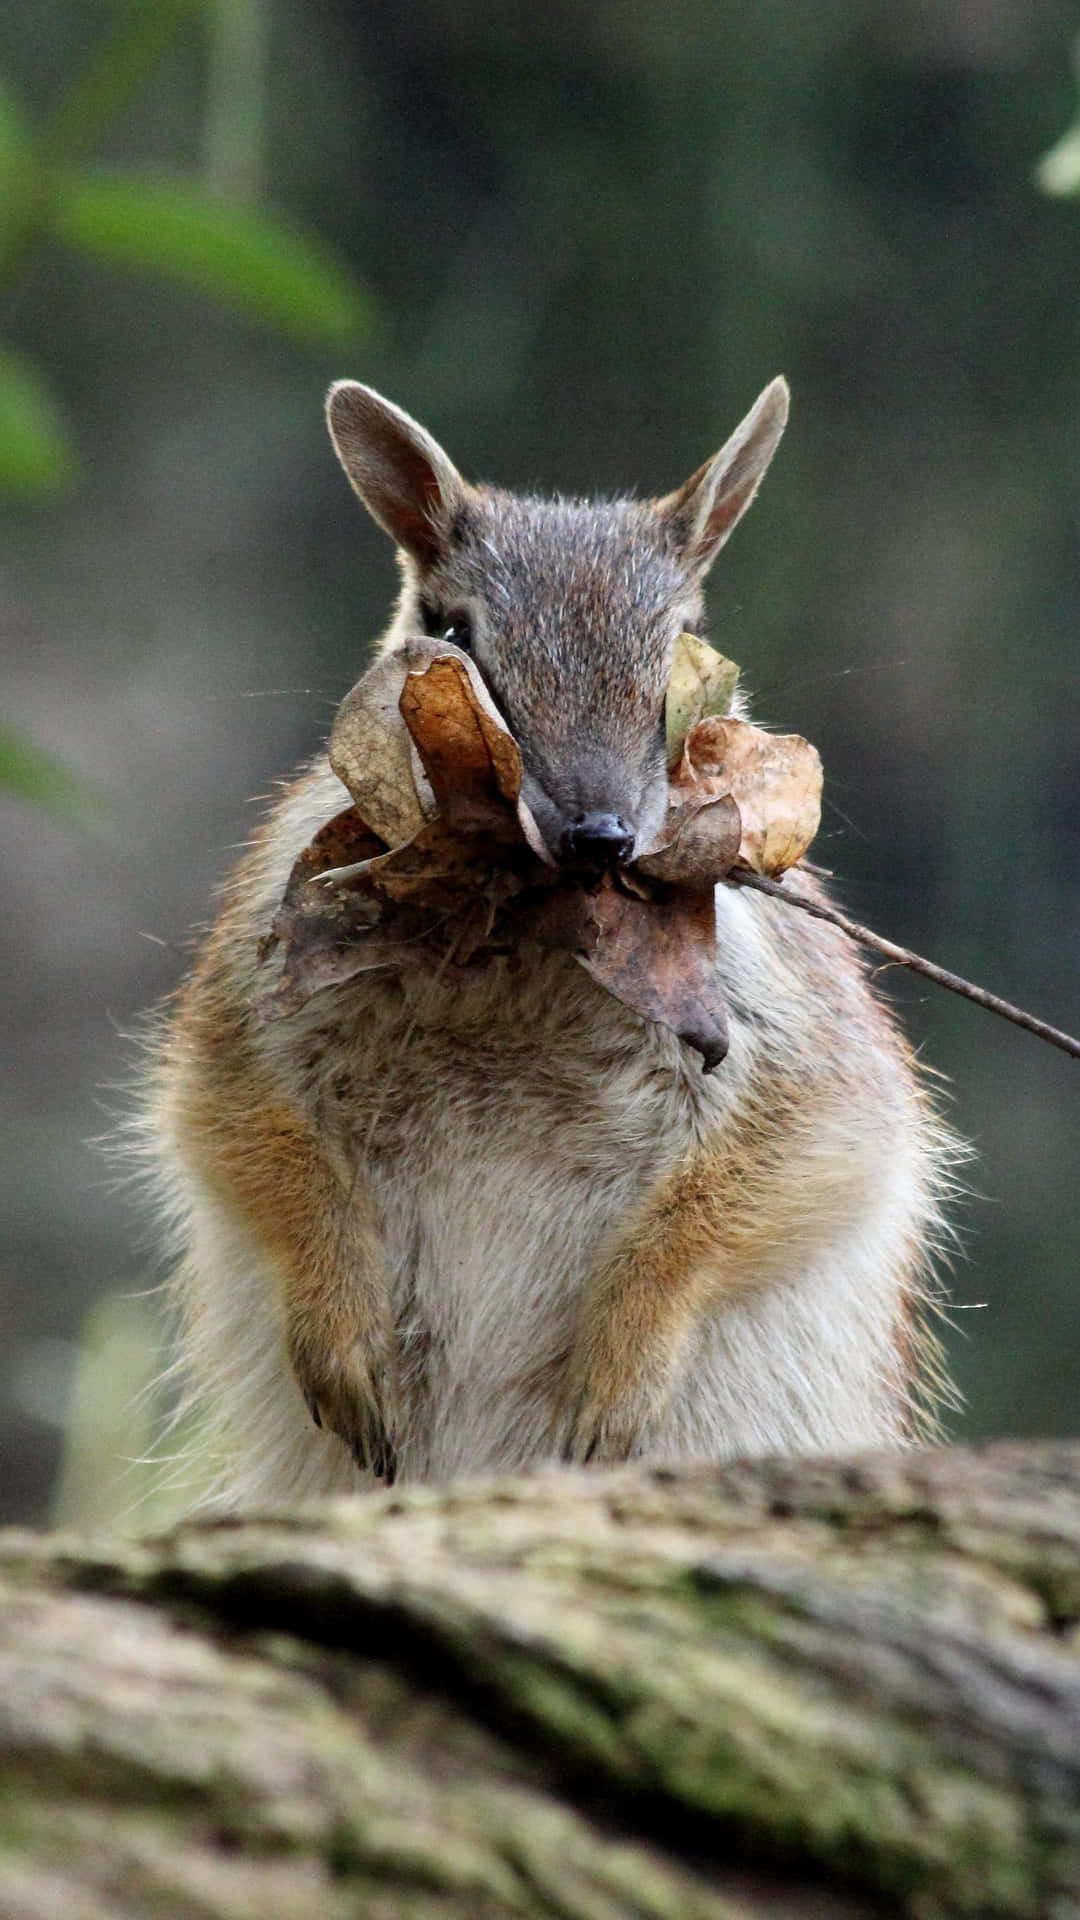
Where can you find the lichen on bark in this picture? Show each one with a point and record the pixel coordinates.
(836, 1688)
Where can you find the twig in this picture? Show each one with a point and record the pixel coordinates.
(738, 877)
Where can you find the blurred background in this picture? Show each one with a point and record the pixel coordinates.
(575, 241)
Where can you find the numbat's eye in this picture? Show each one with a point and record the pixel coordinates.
(438, 625)
(459, 631)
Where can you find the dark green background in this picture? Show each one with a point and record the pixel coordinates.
(590, 235)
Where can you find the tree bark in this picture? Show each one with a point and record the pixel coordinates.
(776, 1688)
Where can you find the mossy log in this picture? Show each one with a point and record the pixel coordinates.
(798, 1688)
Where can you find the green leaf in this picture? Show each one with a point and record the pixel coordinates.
(108, 1476)
(1058, 172)
(239, 257)
(31, 774)
(37, 460)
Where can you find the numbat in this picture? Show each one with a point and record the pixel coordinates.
(458, 1216)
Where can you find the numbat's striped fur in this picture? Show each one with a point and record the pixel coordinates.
(473, 1218)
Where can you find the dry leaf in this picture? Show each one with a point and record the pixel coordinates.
(657, 958)
(328, 934)
(344, 840)
(443, 863)
(705, 835)
(702, 682)
(464, 743)
(468, 754)
(562, 920)
(660, 959)
(372, 755)
(775, 779)
(698, 842)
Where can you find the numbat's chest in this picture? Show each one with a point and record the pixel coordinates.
(498, 1071)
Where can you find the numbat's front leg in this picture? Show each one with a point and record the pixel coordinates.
(258, 1154)
(339, 1334)
(739, 1217)
(637, 1314)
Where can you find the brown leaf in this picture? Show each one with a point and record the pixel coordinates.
(445, 862)
(775, 780)
(465, 745)
(468, 754)
(344, 840)
(419, 736)
(563, 920)
(660, 960)
(706, 831)
(329, 932)
(698, 842)
(350, 905)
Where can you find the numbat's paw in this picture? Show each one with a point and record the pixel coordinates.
(354, 1395)
(613, 1395)
(599, 1431)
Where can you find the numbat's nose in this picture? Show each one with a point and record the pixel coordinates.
(598, 840)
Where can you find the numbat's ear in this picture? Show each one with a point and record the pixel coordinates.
(701, 514)
(405, 480)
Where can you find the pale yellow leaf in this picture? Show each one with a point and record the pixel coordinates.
(372, 755)
(702, 682)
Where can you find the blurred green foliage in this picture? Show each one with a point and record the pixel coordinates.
(175, 227)
(1058, 171)
(134, 218)
(113, 1422)
(38, 777)
(232, 254)
(36, 453)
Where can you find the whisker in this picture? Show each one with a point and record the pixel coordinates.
(797, 678)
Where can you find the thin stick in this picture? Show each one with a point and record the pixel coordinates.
(905, 958)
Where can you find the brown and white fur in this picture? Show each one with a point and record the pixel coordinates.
(474, 1218)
